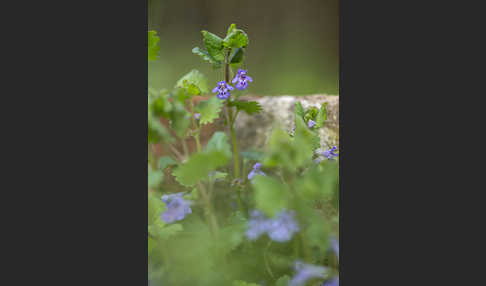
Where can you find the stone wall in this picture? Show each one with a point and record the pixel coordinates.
(253, 131)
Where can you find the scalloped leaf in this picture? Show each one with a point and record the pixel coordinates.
(250, 107)
(321, 115)
(214, 45)
(198, 167)
(209, 110)
(207, 57)
(194, 82)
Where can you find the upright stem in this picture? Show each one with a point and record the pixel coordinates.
(236, 159)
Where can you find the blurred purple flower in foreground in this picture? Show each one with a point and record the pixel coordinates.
(241, 79)
(305, 272)
(223, 90)
(333, 282)
(279, 229)
(311, 123)
(177, 208)
(197, 116)
(282, 227)
(257, 225)
(256, 171)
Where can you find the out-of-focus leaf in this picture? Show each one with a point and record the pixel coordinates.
(194, 82)
(153, 47)
(270, 195)
(283, 281)
(165, 161)
(321, 115)
(209, 110)
(219, 142)
(198, 167)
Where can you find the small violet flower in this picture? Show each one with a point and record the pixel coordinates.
(223, 90)
(279, 229)
(241, 79)
(177, 208)
(329, 154)
(197, 116)
(256, 171)
(311, 123)
(305, 272)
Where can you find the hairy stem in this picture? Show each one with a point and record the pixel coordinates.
(236, 161)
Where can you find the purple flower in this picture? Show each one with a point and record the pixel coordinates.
(256, 171)
(279, 229)
(283, 227)
(197, 116)
(257, 225)
(329, 154)
(177, 208)
(305, 272)
(241, 79)
(223, 90)
(333, 282)
(335, 246)
(311, 123)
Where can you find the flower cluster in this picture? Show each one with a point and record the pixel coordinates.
(256, 171)
(329, 154)
(223, 90)
(279, 229)
(305, 272)
(241, 79)
(177, 208)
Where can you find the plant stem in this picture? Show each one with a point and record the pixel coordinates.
(236, 161)
(198, 144)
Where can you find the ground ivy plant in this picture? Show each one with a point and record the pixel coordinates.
(224, 216)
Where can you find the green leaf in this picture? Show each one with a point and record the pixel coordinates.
(179, 119)
(253, 155)
(299, 110)
(231, 28)
(236, 39)
(218, 176)
(214, 45)
(151, 245)
(250, 107)
(157, 131)
(270, 195)
(155, 178)
(165, 161)
(219, 142)
(321, 116)
(283, 281)
(194, 82)
(209, 110)
(303, 143)
(158, 102)
(170, 230)
(207, 57)
(198, 166)
(236, 57)
(153, 47)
